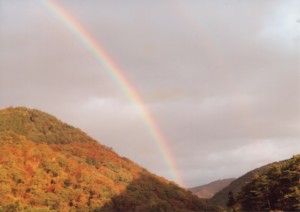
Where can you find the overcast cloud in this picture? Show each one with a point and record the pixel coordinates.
(221, 78)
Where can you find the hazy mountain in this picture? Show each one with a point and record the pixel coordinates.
(278, 181)
(48, 165)
(208, 190)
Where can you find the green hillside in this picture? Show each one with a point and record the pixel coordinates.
(276, 190)
(47, 165)
(220, 198)
(274, 187)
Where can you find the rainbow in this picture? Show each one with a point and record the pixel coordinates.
(119, 78)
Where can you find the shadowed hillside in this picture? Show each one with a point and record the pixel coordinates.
(46, 164)
(220, 198)
(278, 189)
(275, 187)
(150, 194)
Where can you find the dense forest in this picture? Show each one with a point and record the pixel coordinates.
(273, 187)
(276, 190)
(47, 165)
(220, 198)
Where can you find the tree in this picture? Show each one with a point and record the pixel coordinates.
(231, 200)
(277, 189)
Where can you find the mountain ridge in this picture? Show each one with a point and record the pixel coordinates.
(276, 189)
(208, 190)
(240, 184)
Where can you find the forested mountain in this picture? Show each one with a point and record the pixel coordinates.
(220, 198)
(275, 187)
(46, 165)
(208, 190)
(276, 190)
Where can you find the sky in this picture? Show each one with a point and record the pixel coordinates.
(220, 78)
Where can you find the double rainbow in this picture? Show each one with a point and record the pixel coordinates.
(118, 76)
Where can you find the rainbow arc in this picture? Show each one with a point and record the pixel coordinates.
(118, 76)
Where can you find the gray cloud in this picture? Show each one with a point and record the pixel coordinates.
(221, 78)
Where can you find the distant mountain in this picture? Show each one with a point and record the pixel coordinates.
(271, 187)
(47, 165)
(208, 190)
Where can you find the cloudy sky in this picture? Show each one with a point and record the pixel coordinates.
(220, 78)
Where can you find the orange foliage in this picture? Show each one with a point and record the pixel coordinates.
(47, 164)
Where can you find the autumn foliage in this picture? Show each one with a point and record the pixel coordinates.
(46, 165)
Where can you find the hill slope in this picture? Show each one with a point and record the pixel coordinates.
(276, 190)
(207, 191)
(258, 181)
(46, 164)
(220, 198)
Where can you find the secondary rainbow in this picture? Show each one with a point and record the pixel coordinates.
(118, 76)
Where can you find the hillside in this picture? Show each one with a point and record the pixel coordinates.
(49, 165)
(208, 190)
(220, 198)
(275, 186)
(278, 189)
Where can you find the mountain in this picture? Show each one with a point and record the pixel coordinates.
(208, 190)
(278, 189)
(47, 165)
(220, 198)
(275, 186)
